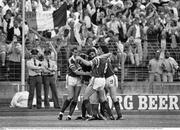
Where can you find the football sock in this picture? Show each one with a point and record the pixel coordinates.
(72, 107)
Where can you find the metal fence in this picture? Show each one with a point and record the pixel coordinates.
(125, 72)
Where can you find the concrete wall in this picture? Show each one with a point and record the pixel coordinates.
(8, 89)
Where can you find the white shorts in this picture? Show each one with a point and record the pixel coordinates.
(73, 81)
(97, 83)
(112, 81)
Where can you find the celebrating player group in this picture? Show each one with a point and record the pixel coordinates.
(97, 69)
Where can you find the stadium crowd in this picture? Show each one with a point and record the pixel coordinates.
(127, 27)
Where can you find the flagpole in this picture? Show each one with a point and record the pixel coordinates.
(23, 49)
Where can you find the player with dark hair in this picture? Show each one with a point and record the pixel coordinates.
(97, 82)
(73, 84)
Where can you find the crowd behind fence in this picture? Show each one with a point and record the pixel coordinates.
(135, 31)
(125, 65)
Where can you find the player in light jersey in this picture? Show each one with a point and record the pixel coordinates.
(97, 82)
(73, 84)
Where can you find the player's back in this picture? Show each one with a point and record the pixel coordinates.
(109, 70)
(99, 67)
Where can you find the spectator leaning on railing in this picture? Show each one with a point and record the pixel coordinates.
(170, 66)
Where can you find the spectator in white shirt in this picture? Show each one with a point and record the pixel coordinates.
(14, 59)
(114, 25)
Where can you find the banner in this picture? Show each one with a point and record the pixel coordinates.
(143, 102)
(47, 20)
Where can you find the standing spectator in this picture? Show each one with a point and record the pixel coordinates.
(8, 24)
(62, 49)
(6, 7)
(169, 66)
(14, 59)
(173, 9)
(15, 30)
(87, 20)
(38, 45)
(81, 33)
(113, 24)
(1, 17)
(35, 79)
(3, 47)
(137, 32)
(123, 29)
(72, 39)
(155, 68)
(49, 80)
(28, 48)
(132, 51)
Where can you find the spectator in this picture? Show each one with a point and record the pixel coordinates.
(155, 68)
(15, 30)
(72, 39)
(28, 48)
(1, 17)
(123, 29)
(38, 45)
(113, 24)
(136, 32)
(14, 59)
(8, 24)
(132, 51)
(3, 48)
(169, 66)
(81, 33)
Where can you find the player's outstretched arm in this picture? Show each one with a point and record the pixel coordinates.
(88, 63)
(82, 73)
(107, 55)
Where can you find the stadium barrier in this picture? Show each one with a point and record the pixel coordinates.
(133, 80)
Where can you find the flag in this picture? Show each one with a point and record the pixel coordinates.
(47, 20)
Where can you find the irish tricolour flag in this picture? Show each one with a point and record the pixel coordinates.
(46, 20)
